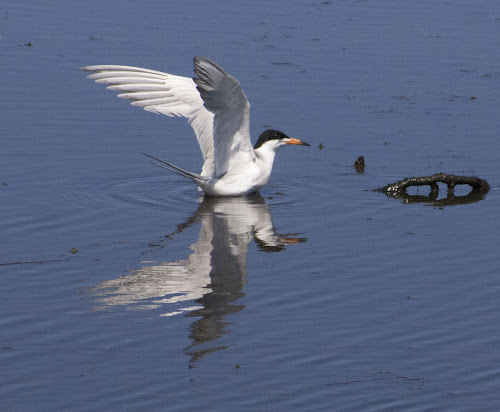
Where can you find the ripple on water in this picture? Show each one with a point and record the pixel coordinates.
(144, 192)
(176, 194)
(157, 192)
(77, 201)
(285, 191)
(71, 204)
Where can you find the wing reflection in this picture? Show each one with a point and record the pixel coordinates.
(208, 283)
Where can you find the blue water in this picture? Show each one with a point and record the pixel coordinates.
(122, 289)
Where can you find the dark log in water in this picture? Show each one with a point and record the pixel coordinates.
(398, 189)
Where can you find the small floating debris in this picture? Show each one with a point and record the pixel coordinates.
(74, 250)
(398, 189)
(359, 164)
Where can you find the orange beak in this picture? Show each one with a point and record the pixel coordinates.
(291, 140)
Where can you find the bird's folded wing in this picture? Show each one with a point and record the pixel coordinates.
(162, 93)
(224, 97)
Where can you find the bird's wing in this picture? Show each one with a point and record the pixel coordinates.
(162, 93)
(224, 97)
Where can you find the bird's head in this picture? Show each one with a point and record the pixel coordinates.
(274, 139)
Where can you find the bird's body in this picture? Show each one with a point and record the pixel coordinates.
(219, 113)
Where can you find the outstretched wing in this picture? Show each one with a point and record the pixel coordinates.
(162, 93)
(224, 97)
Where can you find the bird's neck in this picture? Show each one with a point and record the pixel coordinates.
(266, 158)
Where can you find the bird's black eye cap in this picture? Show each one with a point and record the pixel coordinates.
(267, 135)
(271, 134)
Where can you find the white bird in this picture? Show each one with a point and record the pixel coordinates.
(219, 113)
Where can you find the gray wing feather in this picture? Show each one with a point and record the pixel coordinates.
(223, 96)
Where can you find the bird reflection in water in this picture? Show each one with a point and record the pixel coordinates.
(208, 283)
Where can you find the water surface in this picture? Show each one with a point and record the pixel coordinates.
(123, 289)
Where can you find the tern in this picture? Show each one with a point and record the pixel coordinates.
(219, 113)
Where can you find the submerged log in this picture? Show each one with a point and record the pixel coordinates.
(398, 189)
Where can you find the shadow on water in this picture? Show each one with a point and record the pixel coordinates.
(208, 283)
